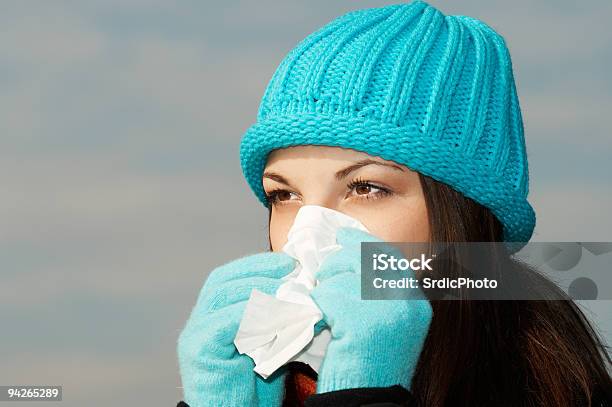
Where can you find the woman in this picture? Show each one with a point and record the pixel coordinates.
(407, 120)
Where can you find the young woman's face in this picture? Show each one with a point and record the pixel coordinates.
(386, 197)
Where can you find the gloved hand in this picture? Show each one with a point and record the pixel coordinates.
(375, 343)
(212, 371)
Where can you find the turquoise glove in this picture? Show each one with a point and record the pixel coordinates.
(375, 343)
(212, 371)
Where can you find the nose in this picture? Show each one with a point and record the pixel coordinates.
(321, 198)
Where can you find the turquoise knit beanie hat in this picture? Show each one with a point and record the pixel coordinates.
(408, 84)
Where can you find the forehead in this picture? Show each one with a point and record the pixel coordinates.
(290, 155)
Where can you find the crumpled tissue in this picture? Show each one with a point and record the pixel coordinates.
(278, 329)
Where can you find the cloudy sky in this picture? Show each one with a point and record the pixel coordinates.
(121, 185)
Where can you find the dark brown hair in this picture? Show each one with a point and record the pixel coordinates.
(504, 353)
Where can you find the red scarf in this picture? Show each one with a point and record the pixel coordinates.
(301, 382)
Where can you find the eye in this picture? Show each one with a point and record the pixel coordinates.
(280, 196)
(362, 189)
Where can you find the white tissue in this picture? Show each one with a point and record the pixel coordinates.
(278, 329)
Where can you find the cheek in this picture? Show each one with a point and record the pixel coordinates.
(280, 223)
(407, 222)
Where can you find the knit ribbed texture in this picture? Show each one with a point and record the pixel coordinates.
(411, 85)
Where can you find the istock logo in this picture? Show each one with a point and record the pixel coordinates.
(384, 262)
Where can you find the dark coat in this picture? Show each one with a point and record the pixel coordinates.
(371, 397)
(394, 396)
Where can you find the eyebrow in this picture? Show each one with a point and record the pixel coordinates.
(343, 173)
(360, 164)
(276, 177)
